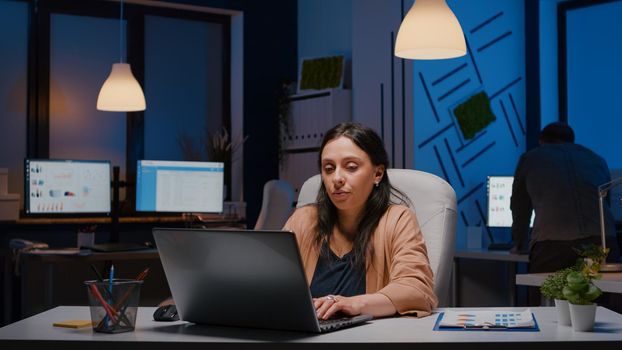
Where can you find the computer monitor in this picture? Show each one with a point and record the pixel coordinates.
(179, 187)
(499, 189)
(66, 186)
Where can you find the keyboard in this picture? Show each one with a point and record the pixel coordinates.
(334, 324)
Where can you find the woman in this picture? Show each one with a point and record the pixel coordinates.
(362, 253)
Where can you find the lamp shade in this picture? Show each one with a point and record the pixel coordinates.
(429, 31)
(121, 92)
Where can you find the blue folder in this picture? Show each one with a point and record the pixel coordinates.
(535, 328)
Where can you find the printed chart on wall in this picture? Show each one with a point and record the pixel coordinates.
(67, 186)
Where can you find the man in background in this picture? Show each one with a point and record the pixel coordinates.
(559, 180)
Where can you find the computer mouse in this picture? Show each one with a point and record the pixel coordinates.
(166, 313)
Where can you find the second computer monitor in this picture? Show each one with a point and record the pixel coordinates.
(59, 187)
(499, 197)
(179, 187)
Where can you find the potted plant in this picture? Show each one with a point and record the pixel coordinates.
(552, 288)
(580, 293)
(216, 146)
(591, 258)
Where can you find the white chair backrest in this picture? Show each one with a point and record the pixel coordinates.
(277, 205)
(434, 202)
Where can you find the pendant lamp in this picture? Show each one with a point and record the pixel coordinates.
(121, 92)
(430, 31)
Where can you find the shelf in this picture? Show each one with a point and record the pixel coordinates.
(123, 220)
(312, 114)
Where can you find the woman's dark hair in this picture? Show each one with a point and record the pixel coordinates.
(379, 200)
(557, 132)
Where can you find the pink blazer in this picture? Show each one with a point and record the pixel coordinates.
(399, 268)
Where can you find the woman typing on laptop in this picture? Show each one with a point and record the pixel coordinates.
(362, 253)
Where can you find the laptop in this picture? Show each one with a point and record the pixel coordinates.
(241, 278)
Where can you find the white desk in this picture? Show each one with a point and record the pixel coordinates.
(610, 282)
(496, 255)
(492, 255)
(403, 332)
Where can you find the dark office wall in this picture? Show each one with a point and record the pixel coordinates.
(549, 111)
(270, 56)
(270, 49)
(13, 89)
(591, 54)
(184, 84)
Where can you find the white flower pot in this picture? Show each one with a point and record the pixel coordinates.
(563, 312)
(582, 317)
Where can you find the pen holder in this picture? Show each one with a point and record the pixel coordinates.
(113, 305)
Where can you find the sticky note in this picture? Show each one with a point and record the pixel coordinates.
(74, 324)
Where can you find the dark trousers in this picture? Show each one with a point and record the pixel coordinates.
(550, 256)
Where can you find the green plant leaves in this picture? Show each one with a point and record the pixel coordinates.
(579, 289)
(554, 284)
(322, 73)
(593, 292)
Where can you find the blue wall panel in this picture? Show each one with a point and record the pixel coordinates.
(495, 64)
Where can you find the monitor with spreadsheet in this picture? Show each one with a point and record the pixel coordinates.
(179, 186)
(499, 189)
(54, 186)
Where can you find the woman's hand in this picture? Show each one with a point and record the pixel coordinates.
(377, 305)
(168, 301)
(327, 306)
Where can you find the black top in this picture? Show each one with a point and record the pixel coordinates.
(560, 183)
(339, 276)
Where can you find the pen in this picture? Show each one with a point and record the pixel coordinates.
(119, 304)
(141, 276)
(122, 317)
(109, 296)
(109, 312)
(94, 291)
(97, 274)
(110, 278)
(101, 279)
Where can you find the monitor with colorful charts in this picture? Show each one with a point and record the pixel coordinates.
(54, 186)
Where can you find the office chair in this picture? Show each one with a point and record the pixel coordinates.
(434, 202)
(277, 205)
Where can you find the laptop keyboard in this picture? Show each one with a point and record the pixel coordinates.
(334, 324)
